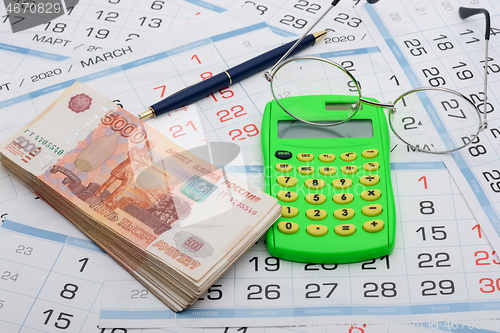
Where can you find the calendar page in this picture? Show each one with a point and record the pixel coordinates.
(450, 53)
(436, 270)
(51, 281)
(87, 28)
(134, 81)
(293, 17)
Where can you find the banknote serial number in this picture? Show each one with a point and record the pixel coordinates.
(40, 139)
(238, 203)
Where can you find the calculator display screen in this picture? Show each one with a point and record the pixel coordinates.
(354, 128)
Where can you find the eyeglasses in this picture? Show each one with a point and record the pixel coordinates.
(461, 120)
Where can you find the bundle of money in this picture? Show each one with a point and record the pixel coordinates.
(175, 221)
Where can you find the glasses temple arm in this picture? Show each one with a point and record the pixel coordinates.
(268, 74)
(464, 13)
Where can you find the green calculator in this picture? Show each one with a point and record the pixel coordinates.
(333, 183)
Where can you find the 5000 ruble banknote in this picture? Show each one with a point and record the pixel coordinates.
(174, 220)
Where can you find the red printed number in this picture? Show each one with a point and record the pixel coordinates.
(248, 131)
(478, 228)
(479, 261)
(225, 93)
(236, 111)
(489, 285)
(180, 130)
(196, 58)
(425, 181)
(162, 89)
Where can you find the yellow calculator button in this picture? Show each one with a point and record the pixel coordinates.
(369, 180)
(288, 227)
(372, 210)
(315, 198)
(314, 184)
(373, 226)
(305, 170)
(371, 166)
(342, 183)
(348, 157)
(327, 171)
(345, 229)
(370, 153)
(305, 157)
(343, 198)
(287, 196)
(289, 211)
(316, 214)
(286, 181)
(326, 158)
(317, 230)
(284, 167)
(349, 169)
(344, 213)
(371, 195)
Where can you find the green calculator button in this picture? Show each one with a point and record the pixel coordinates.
(284, 167)
(345, 229)
(327, 158)
(288, 227)
(371, 166)
(372, 210)
(348, 157)
(305, 157)
(371, 195)
(316, 214)
(370, 153)
(327, 171)
(286, 181)
(305, 170)
(369, 180)
(287, 196)
(315, 198)
(343, 198)
(289, 211)
(342, 183)
(317, 230)
(344, 213)
(373, 226)
(349, 169)
(315, 184)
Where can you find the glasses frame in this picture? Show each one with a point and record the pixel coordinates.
(483, 124)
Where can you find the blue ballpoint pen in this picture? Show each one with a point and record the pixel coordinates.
(223, 80)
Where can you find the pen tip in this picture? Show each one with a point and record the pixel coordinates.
(319, 34)
(149, 113)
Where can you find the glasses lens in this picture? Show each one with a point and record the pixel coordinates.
(302, 86)
(435, 120)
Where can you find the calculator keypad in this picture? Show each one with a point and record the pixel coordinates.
(327, 171)
(358, 176)
(373, 226)
(288, 227)
(284, 167)
(317, 230)
(305, 170)
(287, 181)
(316, 214)
(287, 196)
(315, 198)
(289, 211)
(305, 157)
(345, 229)
(343, 198)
